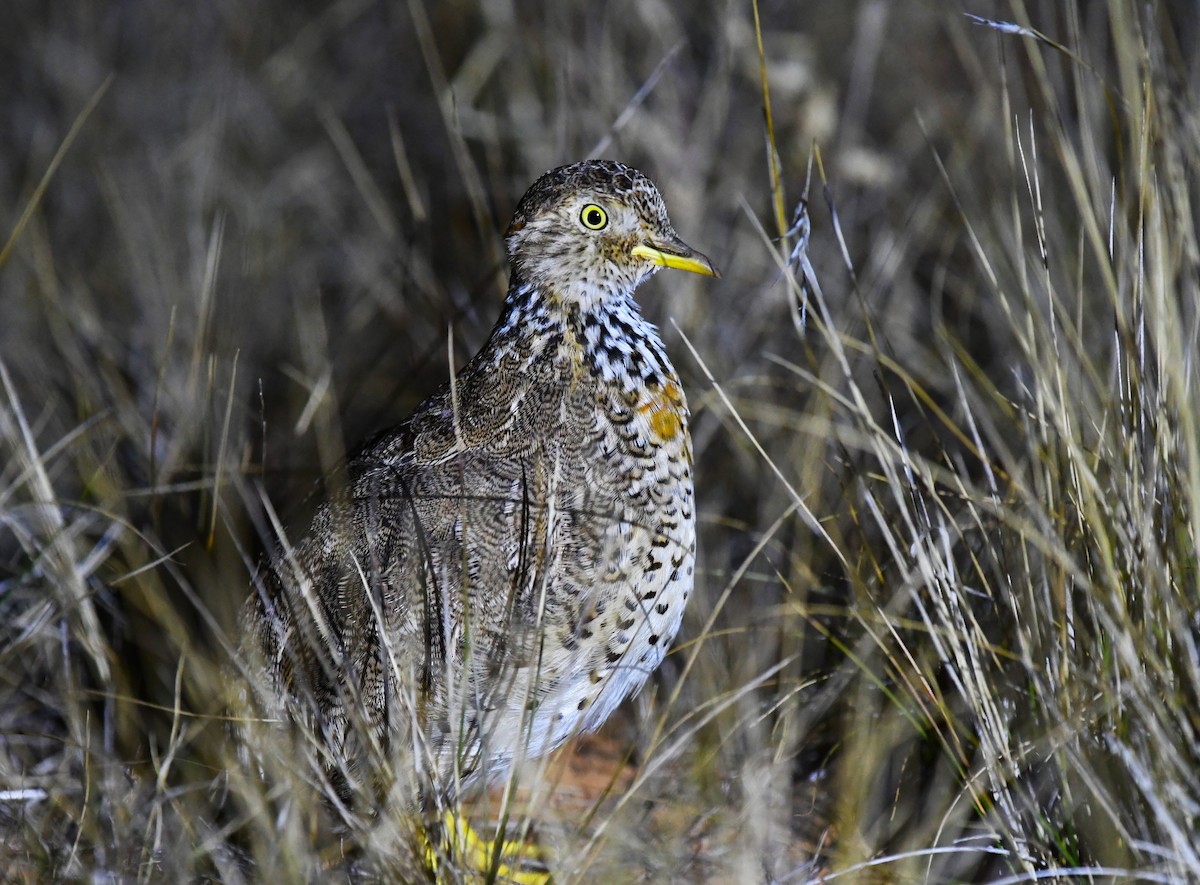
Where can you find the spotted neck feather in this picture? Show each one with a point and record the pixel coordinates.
(609, 337)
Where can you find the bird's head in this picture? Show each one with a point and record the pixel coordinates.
(593, 231)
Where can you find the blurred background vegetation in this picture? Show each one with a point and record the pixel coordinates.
(946, 623)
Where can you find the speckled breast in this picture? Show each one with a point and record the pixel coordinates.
(632, 585)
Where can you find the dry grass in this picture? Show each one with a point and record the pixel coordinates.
(946, 627)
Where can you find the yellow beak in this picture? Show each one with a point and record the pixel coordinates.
(676, 254)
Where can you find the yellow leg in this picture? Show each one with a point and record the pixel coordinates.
(480, 855)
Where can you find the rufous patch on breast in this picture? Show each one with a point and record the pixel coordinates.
(664, 408)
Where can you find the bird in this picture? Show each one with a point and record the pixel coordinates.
(510, 562)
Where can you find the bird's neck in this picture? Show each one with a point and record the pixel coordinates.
(609, 339)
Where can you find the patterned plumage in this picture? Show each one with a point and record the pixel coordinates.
(514, 559)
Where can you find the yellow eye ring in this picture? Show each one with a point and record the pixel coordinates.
(593, 217)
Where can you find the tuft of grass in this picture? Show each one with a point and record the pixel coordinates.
(946, 623)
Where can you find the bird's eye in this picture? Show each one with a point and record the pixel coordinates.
(593, 217)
